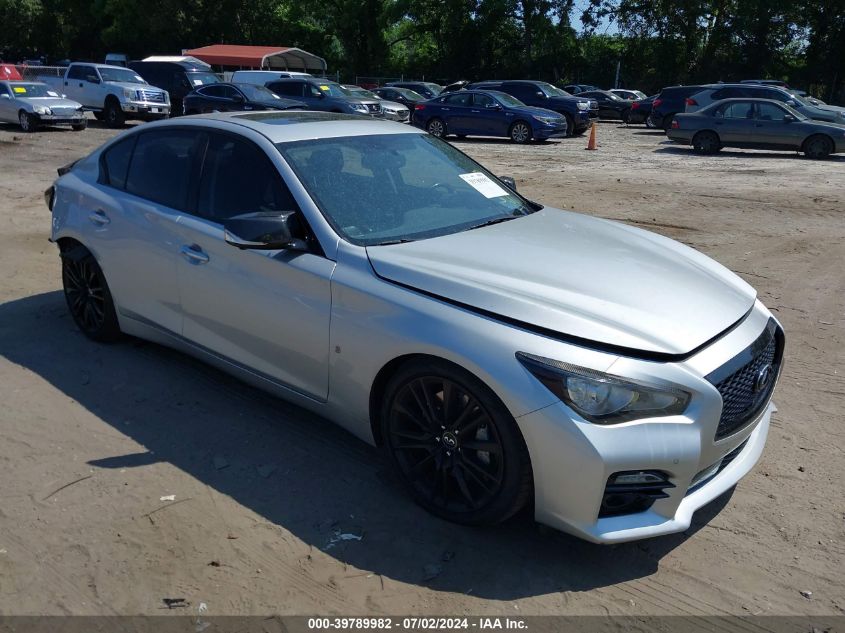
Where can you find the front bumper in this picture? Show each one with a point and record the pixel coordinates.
(61, 119)
(573, 459)
(146, 110)
(543, 132)
(401, 116)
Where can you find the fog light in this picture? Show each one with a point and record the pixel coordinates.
(632, 491)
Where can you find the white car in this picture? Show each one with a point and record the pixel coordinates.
(630, 95)
(501, 352)
(31, 104)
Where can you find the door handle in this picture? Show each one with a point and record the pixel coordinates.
(444, 109)
(476, 111)
(194, 254)
(98, 218)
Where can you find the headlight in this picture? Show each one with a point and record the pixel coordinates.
(42, 110)
(547, 119)
(129, 93)
(602, 398)
(583, 105)
(360, 107)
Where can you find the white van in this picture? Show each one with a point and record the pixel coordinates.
(261, 77)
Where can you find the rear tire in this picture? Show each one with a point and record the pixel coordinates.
(436, 127)
(88, 297)
(667, 122)
(706, 142)
(649, 124)
(113, 115)
(520, 133)
(626, 116)
(818, 147)
(454, 445)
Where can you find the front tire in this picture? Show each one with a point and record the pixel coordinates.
(818, 147)
(113, 115)
(520, 132)
(436, 127)
(570, 125)
(454, 445)
(79, 127)
(706, 142)
(27, 121)
(88, 297)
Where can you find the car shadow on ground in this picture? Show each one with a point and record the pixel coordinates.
(672, 148)
(298, 470)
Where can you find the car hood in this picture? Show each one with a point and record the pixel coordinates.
(534, 111)
(133, 86)
(578, 276)
(51, 102)
(392, 105)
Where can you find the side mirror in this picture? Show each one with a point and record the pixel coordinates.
(265, 231)
(791, 103)
(92, 79)
(238, 98)
(493, 106)
(788, 118)
(5, 96)
(541, 94)
(509, 182)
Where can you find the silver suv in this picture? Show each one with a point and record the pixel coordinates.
(328, 96)
(716, 92)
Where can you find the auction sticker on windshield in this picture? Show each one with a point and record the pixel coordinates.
(483, 185)
(20, 90)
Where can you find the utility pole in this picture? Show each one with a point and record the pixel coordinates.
(616, 81)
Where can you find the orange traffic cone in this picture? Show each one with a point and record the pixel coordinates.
(591, 144)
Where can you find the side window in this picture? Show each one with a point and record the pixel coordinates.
(212, 91)
(160, 170)
(312, 90)
(740, 110)
(75, 72)
(458, 99)
(87, 71)
(237, 178)
(520, 91)
(777, 95)
(227, 92)
(286, 88)
(770, 112)
(115, 163)
(482, 101)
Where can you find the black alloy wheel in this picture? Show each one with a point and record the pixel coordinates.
(88, 298)
(454, 445)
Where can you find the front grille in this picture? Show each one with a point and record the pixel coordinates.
(64, 111)
(152, 95)
(746, 382)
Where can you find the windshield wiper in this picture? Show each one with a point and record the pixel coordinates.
(390, 242)
(493, 221)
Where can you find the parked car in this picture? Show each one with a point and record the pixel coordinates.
(487, 113)
(427, 89)
(262, 77)
(31, 104)
(498, 351)
(579, 112)
(455, 86)
(611, 106)
(112, 93)
(392, 110)
(641, 111)
(321, 94)
(630, 95)
(668, 103)
(575, 89)
(229, 97)
(177, 78)
(766, 82)
(756, 124)
(116, 59)
(405, 96)
(716, 92)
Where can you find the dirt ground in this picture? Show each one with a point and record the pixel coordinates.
(92, 437)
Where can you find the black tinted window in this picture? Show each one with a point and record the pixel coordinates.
(459, 99)
(79, 72)
(238, 178)
(770, 112)
(161, 167)
(115, 162)
(521, 91)
(777, 95)
(287, 88)
(212, 91)
(482, 101)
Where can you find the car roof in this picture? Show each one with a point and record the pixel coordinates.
(286, 126)
(744, 85)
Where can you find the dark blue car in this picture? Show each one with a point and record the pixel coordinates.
(487, 113)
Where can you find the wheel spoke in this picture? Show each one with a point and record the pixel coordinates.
(423, 425)
(479, 470)
(458, 475)
(483, 484)
(484, 446)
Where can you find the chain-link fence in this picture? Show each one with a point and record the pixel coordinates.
(374, 82)
(31, 73)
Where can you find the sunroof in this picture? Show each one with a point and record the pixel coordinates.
(292, 116)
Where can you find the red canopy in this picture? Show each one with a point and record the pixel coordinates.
(262, 57)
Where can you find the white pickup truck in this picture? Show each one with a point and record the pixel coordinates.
(113, 93)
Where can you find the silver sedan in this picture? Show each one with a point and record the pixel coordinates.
(501, 352)
(32, 103)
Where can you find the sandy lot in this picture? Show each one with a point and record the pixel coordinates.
(262, 489)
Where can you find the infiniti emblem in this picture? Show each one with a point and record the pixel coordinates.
(449, 440)
(763, 378)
